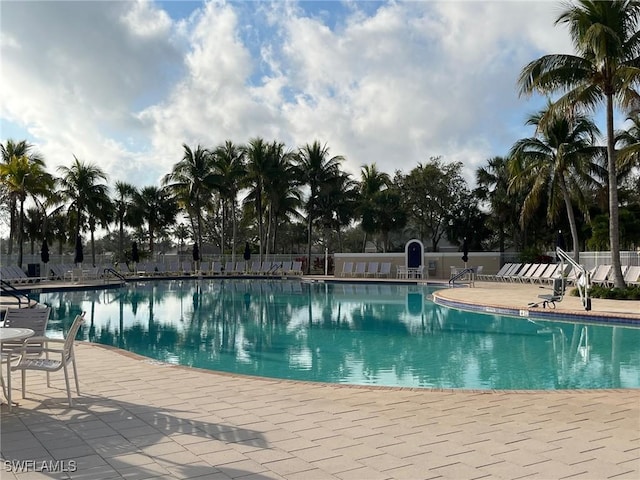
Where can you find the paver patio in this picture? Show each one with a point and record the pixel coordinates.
(138, 418)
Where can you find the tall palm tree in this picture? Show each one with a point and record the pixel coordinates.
(553, 163)
(123, 203)
(281, 192)
(372, 183)
(315, 167)
(258, 165)
(230, 166)
(24, 177)
(192, 181)
(10, 151)
(604, 69)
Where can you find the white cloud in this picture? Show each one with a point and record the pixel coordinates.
(124, 85)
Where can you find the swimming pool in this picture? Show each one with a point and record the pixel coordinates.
(354, 333)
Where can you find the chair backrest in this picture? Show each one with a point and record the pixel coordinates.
(360, 267)
(240, 267)
(216, 267)
(71, 337)
(601, 274)
(504, 269)
(632, 275)
(286, 266)
(296, 266)
(347, 267)
(35, 319)
(372, 268)
(385, 268)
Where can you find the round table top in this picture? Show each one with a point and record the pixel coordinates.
(14, 333)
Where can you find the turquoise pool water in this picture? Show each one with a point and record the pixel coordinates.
(368, 334)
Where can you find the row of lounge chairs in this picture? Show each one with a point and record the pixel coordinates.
(71, 272)
(216, 268)
(366, 269)
(546, 273)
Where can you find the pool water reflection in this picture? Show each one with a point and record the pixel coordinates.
(371, 334)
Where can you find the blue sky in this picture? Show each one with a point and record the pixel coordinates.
(124, 84)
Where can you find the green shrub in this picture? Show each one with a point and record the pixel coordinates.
(612, 293)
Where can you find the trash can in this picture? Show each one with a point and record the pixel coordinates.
(33, 270)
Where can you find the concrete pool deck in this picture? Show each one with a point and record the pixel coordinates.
(137, 418)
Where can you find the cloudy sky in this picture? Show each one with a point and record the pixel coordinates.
(123, 84)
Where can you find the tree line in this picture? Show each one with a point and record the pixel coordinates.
(281, 199)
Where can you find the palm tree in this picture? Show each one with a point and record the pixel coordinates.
(24, 176)
(344, 196)
(80, 186)
(605, 68)
(493, 187)
(123, 203)
(314, 169)
(192, 181)
(257, 171)
(230, 166)
(11, 151)
(155, 207)
(281, 192)
(553, 163)
(629, 154)
(372, 183)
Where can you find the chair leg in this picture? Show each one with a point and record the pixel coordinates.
(24, 383)
(66, 381)
(75, 374)
(7, 392)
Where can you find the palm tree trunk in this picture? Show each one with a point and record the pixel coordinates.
(614, 233)
(234, 221)
(93, 248)
(20, 230)
(224, 223)
(12, 224)
(572, 220)
(309, 221)
(121, 241)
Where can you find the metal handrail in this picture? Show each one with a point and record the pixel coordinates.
(114, 272)
(9, 289)
(461, 274)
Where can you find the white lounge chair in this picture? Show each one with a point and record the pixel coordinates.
(347, 269)
(632, 277)
(385, 269)
(216, 268)
(265, 268)
(497, 276)
(521, 273)
(372, 269)
(285, 267)
(600, 276)
(255, 266)
(361, 268)
(296, 268)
